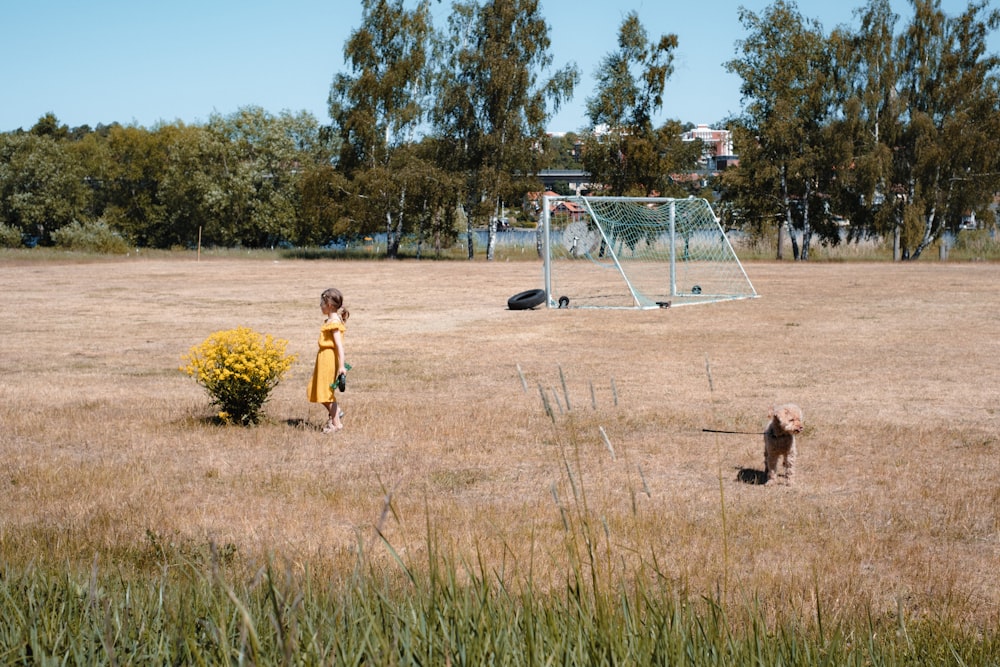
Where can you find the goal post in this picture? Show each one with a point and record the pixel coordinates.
(637, 252)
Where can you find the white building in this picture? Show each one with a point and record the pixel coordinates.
(718, 143)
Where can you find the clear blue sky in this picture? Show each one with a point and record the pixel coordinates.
(141, 62)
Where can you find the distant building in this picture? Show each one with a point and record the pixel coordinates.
(717, 156)
(577, 180)
(568, 209)
(718, 151)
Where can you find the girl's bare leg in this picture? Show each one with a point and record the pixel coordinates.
(333, 422)
(330, 426)
(335, 416)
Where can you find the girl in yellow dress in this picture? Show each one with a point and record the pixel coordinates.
(330, 369)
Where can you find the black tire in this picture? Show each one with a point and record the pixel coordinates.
(564, 302)
(526, 300)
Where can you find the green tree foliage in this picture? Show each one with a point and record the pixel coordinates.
(322, 215)
(48, 126)
(130, 183)
(493, 102)
(236, 180)
(42, 184)
(871, 115)
(90, 237)
(377, 109)
(623, 150)
(897, 131)
(9, 236)
(750, 193)
(789, 92)
(262, 157)
(564, 151)
(946, 152)
(923, 117)
(195, 189)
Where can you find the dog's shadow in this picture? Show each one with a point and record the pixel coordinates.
(751, 476)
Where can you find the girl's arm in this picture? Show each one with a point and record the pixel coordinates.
(338, 343)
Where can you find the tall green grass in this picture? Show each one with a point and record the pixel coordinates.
(447, 611)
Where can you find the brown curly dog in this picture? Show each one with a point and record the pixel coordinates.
(779, 440)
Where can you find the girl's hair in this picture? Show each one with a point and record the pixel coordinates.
(334, 298)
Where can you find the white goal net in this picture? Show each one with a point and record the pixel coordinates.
(626, 252)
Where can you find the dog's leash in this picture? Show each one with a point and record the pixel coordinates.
(712, 430)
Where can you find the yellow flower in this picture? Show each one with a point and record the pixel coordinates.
(238, 368)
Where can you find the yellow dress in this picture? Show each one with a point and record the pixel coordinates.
(325, 370)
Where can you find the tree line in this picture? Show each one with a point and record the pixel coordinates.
(892, 126)
(435, 129)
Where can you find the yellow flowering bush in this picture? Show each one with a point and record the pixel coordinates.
(238, 368)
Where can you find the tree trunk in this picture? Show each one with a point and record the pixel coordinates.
(900, 252)
(491, 242)
(391, 243)
(789, 224)
(468, 236)
(930, 234)
(398, 235)
(421, 229)
(806, 227)
(491, 228)
(788, 214)
(932, 225)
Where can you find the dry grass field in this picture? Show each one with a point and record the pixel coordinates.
(109, 454)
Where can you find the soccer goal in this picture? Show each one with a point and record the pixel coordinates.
(626, 252)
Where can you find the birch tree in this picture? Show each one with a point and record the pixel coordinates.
(493, 100)
(378, 105)
(624, 151)
(946, 155)
(787, 90)
(924, 116)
